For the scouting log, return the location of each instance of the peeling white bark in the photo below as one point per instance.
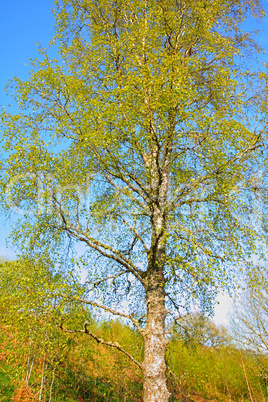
(154, 365)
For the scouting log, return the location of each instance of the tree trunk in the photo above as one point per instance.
(154, 365)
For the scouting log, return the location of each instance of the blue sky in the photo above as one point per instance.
(24, 24)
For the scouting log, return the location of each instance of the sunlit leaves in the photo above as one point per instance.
(143, 134)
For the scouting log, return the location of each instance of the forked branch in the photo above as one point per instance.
(101, 341)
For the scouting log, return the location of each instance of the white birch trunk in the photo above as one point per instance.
(154, 365)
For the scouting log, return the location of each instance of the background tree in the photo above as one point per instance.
(197, 329)
(139, 144)
(249, 319)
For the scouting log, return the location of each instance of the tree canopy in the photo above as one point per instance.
(143, 143)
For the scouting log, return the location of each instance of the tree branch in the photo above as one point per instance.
(137, 235)
(101, 341)
(116, 256)
(186, 190)
(109, 310)
(97, 245)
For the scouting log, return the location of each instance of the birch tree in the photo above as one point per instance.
(249, 318)
(142, 147)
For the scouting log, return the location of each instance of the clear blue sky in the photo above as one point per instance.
(23, 24)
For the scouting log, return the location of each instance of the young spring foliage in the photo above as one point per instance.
(142, 143)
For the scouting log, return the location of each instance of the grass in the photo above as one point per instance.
(6, 386)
